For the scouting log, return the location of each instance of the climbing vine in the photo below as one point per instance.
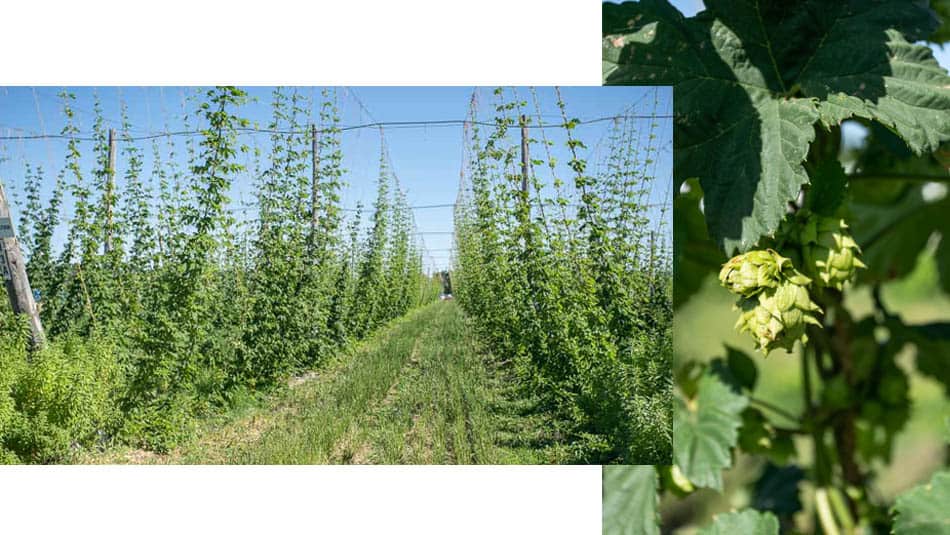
(163, 306)
(550, 280)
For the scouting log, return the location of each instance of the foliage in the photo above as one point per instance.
(576, 296)
(630, 493)
(61, 400)
(922, 509)
(163, 307)
(706, 428)
(765, 175)
(748, 521)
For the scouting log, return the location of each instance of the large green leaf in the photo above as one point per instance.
(887, 78)
(750, 78)
(744, 143)
(747, 522)
(923, 510)
(630, 500)
(705, 429)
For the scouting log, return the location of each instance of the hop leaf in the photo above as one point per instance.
(777, 317)
(830, 253)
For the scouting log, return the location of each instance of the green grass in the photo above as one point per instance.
(421, 391)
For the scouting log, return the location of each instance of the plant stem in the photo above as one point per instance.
(845, 432)
(841, 510)
(774, 408)
(825, 515)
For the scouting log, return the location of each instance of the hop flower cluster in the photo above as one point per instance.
(829, 252)
(750, 273)
(773, 300)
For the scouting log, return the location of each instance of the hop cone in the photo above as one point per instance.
(750, 273)
(776, 317)
(829, 252)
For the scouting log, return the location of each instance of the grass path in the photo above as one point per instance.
(422, 391)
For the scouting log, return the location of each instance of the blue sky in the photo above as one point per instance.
(427, 160)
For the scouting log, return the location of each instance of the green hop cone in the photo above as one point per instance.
(829, 252)
(776, 317)
(750, 273)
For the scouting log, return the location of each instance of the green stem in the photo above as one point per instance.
(777, 410)
(841, 510)
(825, 514)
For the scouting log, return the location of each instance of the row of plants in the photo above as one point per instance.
(799, 220)
(569, 281)
(162, 306)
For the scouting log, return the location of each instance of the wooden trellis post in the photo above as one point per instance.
(524, 157)
(315, 183)
(524, 210)
(110, 190)
(14, 274)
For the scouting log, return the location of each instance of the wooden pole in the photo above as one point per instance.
(524, 157)
(110, 189)
(524, 211)
(14, 274)
(652, 254)
(315, 181)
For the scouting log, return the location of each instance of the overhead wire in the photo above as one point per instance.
(375, 124)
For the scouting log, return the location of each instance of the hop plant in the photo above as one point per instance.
(829, 252)
(773, 298)
(777, 317)
(750, 273)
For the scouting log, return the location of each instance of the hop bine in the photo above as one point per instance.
(773, 301)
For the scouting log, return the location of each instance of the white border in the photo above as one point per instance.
(477, 500)
(362, 42)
